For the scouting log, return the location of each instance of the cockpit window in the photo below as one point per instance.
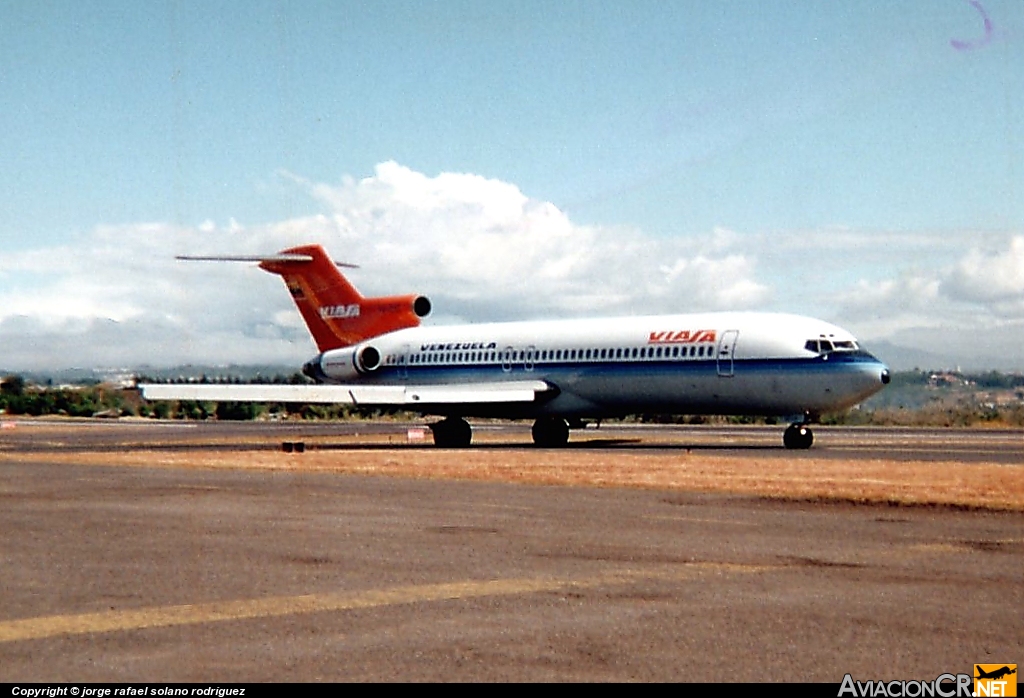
(824, 346)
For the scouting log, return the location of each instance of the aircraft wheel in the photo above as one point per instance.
(798, 436)
(550, 432)
(453, 432)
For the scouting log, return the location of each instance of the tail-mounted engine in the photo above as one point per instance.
(367, 359)
(344, 364)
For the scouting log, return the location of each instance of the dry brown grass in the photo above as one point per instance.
(944, 483)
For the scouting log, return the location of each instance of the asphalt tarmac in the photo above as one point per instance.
(869, 443)
(156, 574)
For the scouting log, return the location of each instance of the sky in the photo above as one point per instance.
(862, 163)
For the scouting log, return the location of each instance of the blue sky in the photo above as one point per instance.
(862, 162)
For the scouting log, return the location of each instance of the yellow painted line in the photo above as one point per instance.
(935, 548)
(217, 611)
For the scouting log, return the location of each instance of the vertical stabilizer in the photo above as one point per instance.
(336, 314)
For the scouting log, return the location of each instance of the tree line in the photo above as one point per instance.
(939, 407)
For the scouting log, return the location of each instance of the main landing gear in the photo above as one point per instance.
(452, 432)
(550, 432)
(798, 436)
(455, 432)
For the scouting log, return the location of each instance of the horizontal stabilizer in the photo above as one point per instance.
(279, 257)
(394, 395)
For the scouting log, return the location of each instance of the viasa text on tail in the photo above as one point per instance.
(561, 374)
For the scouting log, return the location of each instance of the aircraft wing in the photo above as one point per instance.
(396, 395)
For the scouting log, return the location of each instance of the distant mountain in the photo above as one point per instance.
(79, 376)
(900, 358)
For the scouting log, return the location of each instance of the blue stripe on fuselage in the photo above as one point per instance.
(416, 374)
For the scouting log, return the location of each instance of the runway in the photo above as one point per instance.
(241, 574)
(869, 443)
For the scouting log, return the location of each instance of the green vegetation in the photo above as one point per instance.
(943, 398)
(19, 397)
(914, 398)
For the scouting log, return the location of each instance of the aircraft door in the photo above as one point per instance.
(531, 353)
(726, 350)
(507, 355)
(403, 362)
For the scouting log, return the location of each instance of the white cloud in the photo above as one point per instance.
(483, 250)
(979, 285)
(970, 311)
(479, 243)
(991, 277)
(480, 248)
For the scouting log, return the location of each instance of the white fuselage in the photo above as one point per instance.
(711, 363)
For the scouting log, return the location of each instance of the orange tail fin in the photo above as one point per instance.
(335, 312)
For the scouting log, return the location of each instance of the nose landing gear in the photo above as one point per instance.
(798, 436)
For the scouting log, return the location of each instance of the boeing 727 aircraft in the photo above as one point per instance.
(562, 373)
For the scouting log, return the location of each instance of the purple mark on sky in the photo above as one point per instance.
(976, 43)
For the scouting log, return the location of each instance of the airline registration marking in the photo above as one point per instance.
(681, 337)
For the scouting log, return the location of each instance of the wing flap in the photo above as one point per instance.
(397, 395)
(519, 391)
(213, 392)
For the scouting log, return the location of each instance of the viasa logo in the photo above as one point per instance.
(334, 312)
(682, 337)
(995, 680)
